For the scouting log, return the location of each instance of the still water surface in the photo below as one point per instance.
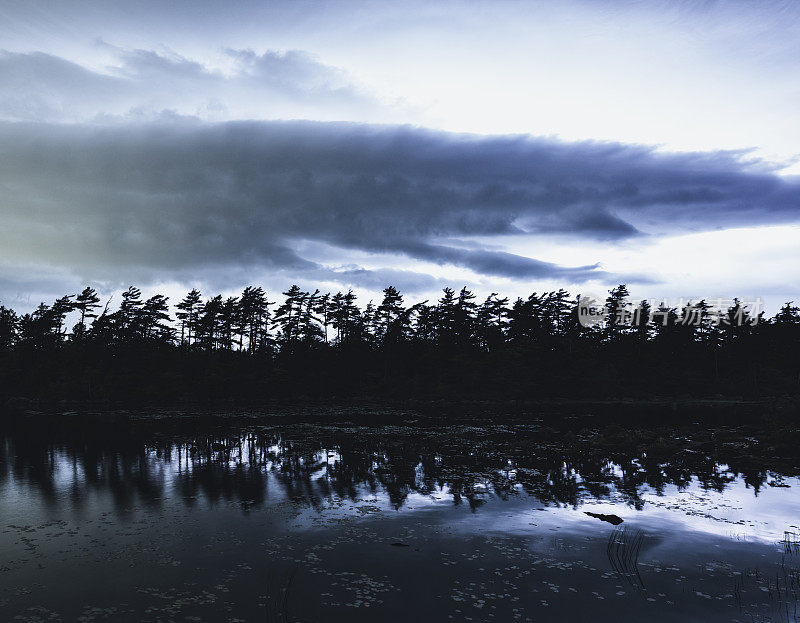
(253, 521)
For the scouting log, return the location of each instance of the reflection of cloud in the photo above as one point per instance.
(687, 514)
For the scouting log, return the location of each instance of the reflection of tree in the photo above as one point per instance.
(309, 465)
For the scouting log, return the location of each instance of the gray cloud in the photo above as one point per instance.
(167, 198)
(142, 83)
(40, 86)
(375, 280)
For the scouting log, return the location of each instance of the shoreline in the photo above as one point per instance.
(378, 410)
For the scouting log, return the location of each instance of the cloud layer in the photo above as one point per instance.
(164, 198)
(142, 83)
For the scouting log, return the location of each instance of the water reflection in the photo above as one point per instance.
(317, 462)
(161, 520)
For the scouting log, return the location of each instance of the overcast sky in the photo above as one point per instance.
(508, 146)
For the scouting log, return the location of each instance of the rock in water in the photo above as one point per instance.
(612, 519)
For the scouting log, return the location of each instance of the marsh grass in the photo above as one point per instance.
(277, 602)
(791, 543)
(623, 548)
(786, 589)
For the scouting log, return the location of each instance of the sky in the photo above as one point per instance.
(508, 146)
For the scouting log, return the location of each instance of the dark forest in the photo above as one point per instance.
(308, 345)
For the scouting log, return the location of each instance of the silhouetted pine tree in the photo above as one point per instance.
(389, 310)
(289, 315)
(86, 302)
(9, 327)
(188, 310)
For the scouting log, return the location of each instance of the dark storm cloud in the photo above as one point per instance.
(170, 197)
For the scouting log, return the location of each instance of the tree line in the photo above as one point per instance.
(456, 345)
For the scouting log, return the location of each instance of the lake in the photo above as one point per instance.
(140, 518)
